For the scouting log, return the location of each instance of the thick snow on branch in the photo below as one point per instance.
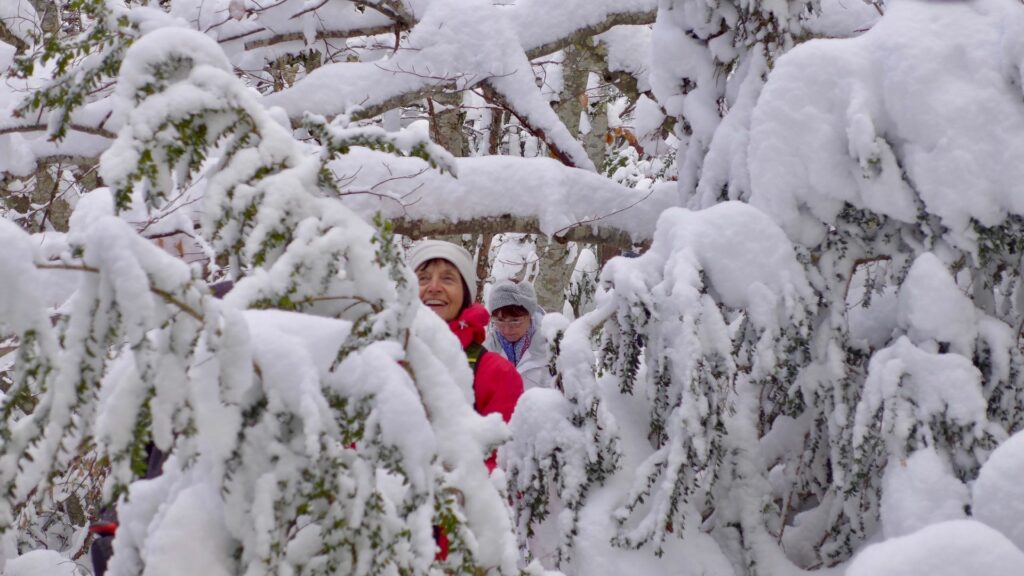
(544, 27)
(559, 199)
(456, 44)
(234, 22)
(922, 112)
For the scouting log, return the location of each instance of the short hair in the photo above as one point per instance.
(514, 310)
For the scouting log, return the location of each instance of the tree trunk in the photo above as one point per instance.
(554, 272)
(446, 123)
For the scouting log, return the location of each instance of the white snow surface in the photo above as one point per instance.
(999, 493)
(933, 90)
(919, 491)
(559, 197)
(951, 548)
(915, 386)
(933, 308)
(539, 22)
(41, 563)
(745, 255)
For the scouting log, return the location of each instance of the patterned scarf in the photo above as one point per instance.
(515, 351)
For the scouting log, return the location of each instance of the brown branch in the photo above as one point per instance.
(240, 36)
(393, 9)
(857, 264)
(313, 8)
(500, 100)
(301, 36)
(399, 100)
(167, 296)
(95, 131)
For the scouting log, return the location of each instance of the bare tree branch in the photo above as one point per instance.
(393, 9)
(95, 131)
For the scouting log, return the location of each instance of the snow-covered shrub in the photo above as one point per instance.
(708, 343)
(787, 424)
(564, 443)
(317, 420)
(880, 180)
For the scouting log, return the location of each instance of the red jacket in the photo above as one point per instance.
(497, 385)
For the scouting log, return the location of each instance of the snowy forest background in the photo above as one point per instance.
(808, 360)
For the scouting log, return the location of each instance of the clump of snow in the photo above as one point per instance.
(16, 157)
(951, 548)
(871, 325)
(932, 307)
(629, 50)
(841, 18)
(999, 493)
(538, 22)
(921, 108)
(42, 563)
(919, 491)
(649, 117)
(189, 535)
(745, 255)
(20, 305)
(152, 52)
(559, 198)
(912, 387)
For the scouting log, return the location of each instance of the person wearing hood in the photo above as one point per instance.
(447, 283)
(516, 315)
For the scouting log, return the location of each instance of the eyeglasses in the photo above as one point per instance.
(510, 322)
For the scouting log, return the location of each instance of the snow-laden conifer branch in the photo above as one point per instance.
(323, 440)
(82, 65)
(167, 296)
(566, 444)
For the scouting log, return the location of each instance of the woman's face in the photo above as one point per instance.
(512, 322)
(441, 288)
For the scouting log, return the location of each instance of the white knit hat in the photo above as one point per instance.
(428, 250)
(508, 293)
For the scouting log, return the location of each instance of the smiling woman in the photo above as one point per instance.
(442, 288)
(447, 281)
(446, 275)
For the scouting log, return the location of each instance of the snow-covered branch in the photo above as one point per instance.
(628, 16)
(538, 195)
(508, 223)
(320, 36)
